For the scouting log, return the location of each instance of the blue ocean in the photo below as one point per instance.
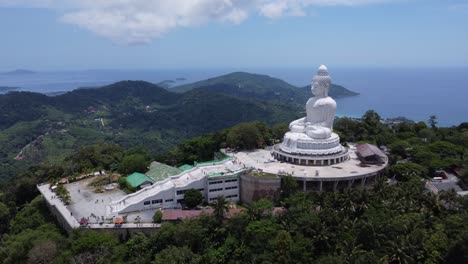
(415, 93)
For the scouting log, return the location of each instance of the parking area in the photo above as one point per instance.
(85, 202)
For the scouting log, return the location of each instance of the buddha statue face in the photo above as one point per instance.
(320, 87)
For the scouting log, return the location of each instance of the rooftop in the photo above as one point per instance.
(136, 179)
(160, 171)
(366, 150)
(446, 186)
(185, 167)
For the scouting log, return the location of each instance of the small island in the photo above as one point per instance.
(6, 89)
(19, 72)
(166, 83)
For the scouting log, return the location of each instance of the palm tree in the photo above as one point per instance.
(433, 203)
(220, 206)
(351, 250)
(449, 200)
(398, 251)
(251, 212)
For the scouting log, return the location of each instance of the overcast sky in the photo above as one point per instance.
(159, 34)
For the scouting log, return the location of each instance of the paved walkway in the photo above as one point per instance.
(85, 202)
(52, 199)
(262, 159)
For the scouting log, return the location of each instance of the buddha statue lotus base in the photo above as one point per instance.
(301, 144)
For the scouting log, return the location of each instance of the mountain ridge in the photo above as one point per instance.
(263, 87)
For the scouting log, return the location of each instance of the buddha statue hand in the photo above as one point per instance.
(318, 132)
(297, 126)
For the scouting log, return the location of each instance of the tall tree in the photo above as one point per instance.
(221, 207)
(134, 163)
(289, 186)
(433, 121)
(176, 255)
(407, 171)
(192, 198)
(372, 122)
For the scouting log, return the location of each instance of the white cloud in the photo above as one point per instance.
(141, 21)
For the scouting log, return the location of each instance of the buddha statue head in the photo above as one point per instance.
(321, 82)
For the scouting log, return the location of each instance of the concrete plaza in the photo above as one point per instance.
(261, 159)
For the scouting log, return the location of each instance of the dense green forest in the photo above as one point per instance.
(35, 128)
(390, 223)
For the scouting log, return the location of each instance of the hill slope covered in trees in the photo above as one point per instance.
(261, 87)
(37, 128)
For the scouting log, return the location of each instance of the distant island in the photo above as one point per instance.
(170, 83)
(5, 89)
(166, 83)
(60, 92)
(19, 72)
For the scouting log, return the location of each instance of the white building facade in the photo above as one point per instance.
(227, 186)
(212, 180)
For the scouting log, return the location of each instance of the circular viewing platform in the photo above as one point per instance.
(310, 160)
(350, 173)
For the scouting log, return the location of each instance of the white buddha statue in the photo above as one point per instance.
(320, 109)
(313, 135)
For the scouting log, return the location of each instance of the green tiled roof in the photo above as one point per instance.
(185, 167)
(136, 179)
(159, 171)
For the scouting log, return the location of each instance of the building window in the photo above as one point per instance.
(201, 190)
(180, 201)
(215, 182)
(169, 200)
(231, 180)
(146, 203)
(156, 201)
(180, 192)
(231, 188)
(216, 190)
(232, 196)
